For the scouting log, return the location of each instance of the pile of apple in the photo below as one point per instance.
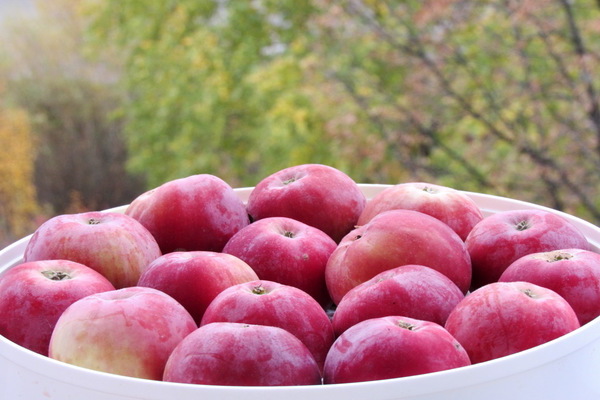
(305, 282)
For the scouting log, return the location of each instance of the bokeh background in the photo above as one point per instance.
(101, 100)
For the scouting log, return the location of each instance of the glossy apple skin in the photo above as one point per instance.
(572, 273)
(318, 195)
(195, 278)
(504, 318)
(450, 206)
(115, 245)
(501, 238)
(233, 354)
(413, 291)
(270, 303)
(392, 347)
(33, 296)
(392, 239)
(130, 332)
(287, 251)
(198, 212)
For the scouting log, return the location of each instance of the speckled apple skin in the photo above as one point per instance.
(114, 244)
(31, 301)
(498, 240)
(195, 278)
(501, 318)
(413, 291)
(198, 212)
(572, 273)
(233, 354)
(130, 332)
(286, 251)
(318, 195)
(392, 239)
(279, 305)
(384, 348)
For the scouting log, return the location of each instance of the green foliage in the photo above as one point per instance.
(484, 96)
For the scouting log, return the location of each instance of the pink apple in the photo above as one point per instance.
(501, 238)
(195, 278)
(448, 205)
(130, 332)
(115, 245)
(287, 251)
(413, 291)
(318, 195)
(504, 318)
(233, 354)
(392, 239)
(572, 273)
(33, 295)
(392, 347)
(273, 304)
(198, 212)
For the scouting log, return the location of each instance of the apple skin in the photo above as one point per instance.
(198, 212)
(318, 195)
(33, 296)
(449, 205)
(130, 331)
(501, 238)
(392, 239)
(413, 291)
(270, 303)
(287, 251)
(392, 347)
(234, 354)
(572, 273)
(114, 244)
(195, 278)
(504, 318)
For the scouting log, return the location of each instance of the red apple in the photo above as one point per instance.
(195, 278)
(572, 273)
(448, 205)
(198, 212)
(392, 239)
(115, 245)
(287, 251)
(232, 354)
(504, 318)
(130, 332)
(501, 238)
(413, 291)
(33, 295)
(318, 195)
(392, 347)
(273, 304)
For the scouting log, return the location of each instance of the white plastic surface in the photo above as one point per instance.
(566, 368)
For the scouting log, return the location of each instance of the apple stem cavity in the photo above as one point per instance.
(259, 290)
(561, 257)
(522, 225)
(290, 180)
(56, 275)
(407, 325)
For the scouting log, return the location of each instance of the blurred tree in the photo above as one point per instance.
(18, 205)
(497, 96)
(71, 99)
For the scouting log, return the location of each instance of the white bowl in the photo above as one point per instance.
(566, 368)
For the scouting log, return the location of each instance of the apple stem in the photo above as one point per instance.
(406, 325)
(56, 275)
(259, 290)
(522, 225)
